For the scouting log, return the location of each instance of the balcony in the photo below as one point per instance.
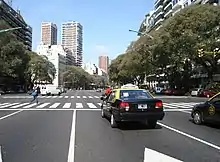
(157, 2)
(168, 14)
(167, 1)
(159, 9)
(168, 5)
(158, 15)
(159, 21)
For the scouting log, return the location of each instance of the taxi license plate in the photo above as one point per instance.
(142, 106)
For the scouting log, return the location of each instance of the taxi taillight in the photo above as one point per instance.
(124, 105)
(159, 104)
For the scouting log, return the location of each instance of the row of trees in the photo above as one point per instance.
(76, 77)
(186, 44)
(19, 66)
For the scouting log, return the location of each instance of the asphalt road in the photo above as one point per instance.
(67, 129)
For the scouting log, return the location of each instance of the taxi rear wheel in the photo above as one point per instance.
(113, 122)
(197, 118)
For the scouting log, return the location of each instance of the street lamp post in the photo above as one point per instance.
(9, 29)
(141, 33)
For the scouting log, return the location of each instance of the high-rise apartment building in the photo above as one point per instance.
(164, 9)
(14, 19)
(72, 38)
(104, 63)
(49, 33)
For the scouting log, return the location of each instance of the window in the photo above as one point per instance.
(135, 94)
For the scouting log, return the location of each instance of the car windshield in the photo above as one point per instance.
(134, 94)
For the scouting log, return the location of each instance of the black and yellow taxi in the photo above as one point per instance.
(208, 111)
(129, 103)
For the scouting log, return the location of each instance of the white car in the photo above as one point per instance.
(195, 91)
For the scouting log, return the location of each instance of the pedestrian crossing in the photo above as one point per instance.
(89, 105)
(50, 97)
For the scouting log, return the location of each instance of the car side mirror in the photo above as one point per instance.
(101, 98)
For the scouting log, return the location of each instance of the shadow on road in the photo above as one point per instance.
(211, 125)
(136, 126)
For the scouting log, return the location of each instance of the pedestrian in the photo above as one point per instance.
(38, 90)
(35, 95)
(108, 92)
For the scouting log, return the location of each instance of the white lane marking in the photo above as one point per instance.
(67, 105)
(181, 105)
(100, 104)
(168, 106)
(0, 154)
(60, 96)
(189, 136)
(78, 96)
(79, 105)
(96, 96)
(66, 96)
(72, 139)
(20, 105)
(52, 109)
(43, 105)
(8, 105)
(55, 105)
(91, 105)
(6, 116)
(29, 106)
(155, 156)
(54, 96)
(90, 97)
(84, 97)
(2, 104)
(72, 96)
(48, 96)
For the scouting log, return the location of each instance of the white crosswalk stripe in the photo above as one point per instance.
(42, 105)
(51, 97)
(91, 105)
(64, 105)
(55, 105)
(67, 105)
(79, 105)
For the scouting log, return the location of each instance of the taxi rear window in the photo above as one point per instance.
(134, 94)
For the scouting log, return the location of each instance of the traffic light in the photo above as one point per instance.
(201, 52)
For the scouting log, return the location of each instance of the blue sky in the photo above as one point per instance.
(106, 22)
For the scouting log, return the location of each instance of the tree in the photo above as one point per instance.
(76, 77)
(196, 28)
(40, 69)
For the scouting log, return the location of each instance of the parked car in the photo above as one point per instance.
(206, 93)
(196, 91)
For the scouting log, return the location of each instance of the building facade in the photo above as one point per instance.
(104, 63)
(164, 9)
(58, 56)
(49, 33)
(14, 19)
(72, 39)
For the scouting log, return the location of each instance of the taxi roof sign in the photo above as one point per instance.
(128, 86)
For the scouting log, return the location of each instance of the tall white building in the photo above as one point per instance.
(72, 38)
(58, 56)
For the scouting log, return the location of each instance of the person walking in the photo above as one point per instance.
(35, 96)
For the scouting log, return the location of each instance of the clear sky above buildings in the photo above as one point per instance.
(106, 22)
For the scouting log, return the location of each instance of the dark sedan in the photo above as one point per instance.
(208, 111)
(132, 105)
